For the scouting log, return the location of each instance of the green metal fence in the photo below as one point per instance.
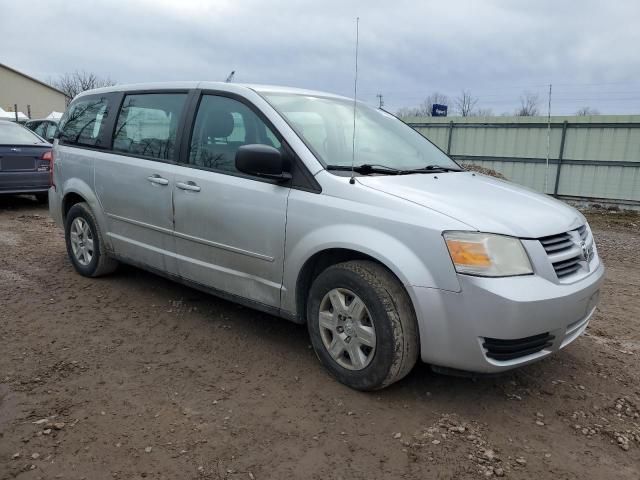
(595, 158)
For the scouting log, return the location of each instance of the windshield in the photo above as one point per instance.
(14, 134)
(326, 126)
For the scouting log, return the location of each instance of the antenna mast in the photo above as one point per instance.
(230, 77)
(355, 96)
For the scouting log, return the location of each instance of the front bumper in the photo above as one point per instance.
(454, 326)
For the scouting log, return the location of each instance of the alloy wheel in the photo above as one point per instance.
(346, 329)
(81, 241)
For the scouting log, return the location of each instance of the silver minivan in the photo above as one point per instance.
(382, 245)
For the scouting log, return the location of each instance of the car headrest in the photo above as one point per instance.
(219, 124)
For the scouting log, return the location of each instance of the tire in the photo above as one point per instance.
(387, 311)
(94, 262)
(42, 197)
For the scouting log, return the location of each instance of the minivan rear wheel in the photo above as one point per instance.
(362, 325)
(84, 243)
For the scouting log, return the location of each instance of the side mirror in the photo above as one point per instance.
(262, 161)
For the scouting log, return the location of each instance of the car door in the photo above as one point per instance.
(134, 181)
(229, 227)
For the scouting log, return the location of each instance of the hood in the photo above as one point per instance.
(484, 203)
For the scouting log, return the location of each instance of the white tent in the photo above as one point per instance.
(12, 116)
(54, 115)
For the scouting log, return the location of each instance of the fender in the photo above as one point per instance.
(404, 262)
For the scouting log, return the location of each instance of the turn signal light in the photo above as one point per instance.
(468, 253)
(487, 254)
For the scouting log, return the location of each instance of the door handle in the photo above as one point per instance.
(158, 180)
(189, 186)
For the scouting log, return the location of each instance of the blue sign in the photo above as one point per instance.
(438, 110)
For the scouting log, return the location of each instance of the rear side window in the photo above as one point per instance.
(222, 126)
(83, 122)
(148, 123)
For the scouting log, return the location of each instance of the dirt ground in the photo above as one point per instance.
(133, 376)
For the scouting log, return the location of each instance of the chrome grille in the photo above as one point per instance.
(557, 243)
(565, 252)
(567, 267)
(582, 231)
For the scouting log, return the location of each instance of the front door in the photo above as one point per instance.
(135, 183)
(229, 227)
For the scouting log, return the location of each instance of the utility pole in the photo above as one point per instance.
(380, 100)
(546, 172)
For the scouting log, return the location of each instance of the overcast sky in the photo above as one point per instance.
(496, 49)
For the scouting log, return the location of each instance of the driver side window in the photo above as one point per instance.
(222, 126)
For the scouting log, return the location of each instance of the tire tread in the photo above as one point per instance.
(105, 263)
(400, 318)
(399, 311)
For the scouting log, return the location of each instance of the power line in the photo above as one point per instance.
(521, 86)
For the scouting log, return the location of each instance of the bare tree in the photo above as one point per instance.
(425, 107)
(482, 112)
(465, 103)
(71, 84)
(585, 111)
(436, 98)
(528, 105)
(406, 112)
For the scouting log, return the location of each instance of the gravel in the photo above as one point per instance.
(214, 388)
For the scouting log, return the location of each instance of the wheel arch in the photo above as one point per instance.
(342, 242)
(68, 201)
(321, 260)
(76, 191)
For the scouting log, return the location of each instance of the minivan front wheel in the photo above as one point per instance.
(84, 243)
(362, 325)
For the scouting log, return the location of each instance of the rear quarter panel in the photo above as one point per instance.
(74, 173)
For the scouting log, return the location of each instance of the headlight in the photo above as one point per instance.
(487, 254)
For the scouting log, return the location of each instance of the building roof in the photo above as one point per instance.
(2, 65)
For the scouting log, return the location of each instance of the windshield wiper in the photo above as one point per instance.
(367, 168)
(432, 168)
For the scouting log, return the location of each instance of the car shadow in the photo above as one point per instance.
(290, 340)
(19, 202)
